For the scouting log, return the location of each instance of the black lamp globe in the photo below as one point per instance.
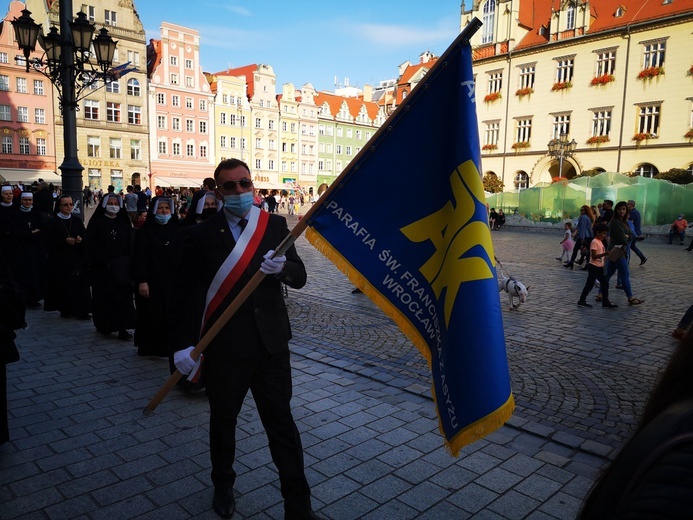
(104, 48)
(26, 32)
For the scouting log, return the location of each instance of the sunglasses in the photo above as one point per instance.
(231, 185)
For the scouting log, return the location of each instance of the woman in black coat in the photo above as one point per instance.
(109, 245)
(67, 288)
(148, 270)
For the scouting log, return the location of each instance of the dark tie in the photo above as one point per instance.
(243, 223)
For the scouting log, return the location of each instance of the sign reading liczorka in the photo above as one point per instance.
(408, 225)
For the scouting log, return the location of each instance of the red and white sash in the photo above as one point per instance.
(236, 263)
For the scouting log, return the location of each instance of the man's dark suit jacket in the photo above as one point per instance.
(262, 317)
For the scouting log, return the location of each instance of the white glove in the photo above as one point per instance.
(184, 363)
(273, 265)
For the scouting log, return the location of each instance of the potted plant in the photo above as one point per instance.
(602, 80)
(520, 145)
(689, 135)
(489, 147)
(522, 92)
(650, 72)
(598, 139)
(561, 85)
(493, 96)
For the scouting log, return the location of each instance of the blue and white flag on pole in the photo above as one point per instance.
(408, 225)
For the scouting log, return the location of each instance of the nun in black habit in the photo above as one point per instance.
(204, 204)
(109, 246)
(148, 270)
(67, 287)
(25, 238)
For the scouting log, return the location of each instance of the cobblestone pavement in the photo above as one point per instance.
(82, 449)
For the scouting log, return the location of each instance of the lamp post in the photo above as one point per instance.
(67, 63)
(560, 149)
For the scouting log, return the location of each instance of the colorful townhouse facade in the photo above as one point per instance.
(27, 139)
(260, 145)
(299, 135)
(181, 110)
(231, 116)
(345, 124)
(112, 122)
(615, 76)
(168, 123)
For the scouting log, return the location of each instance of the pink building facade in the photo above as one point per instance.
(181, 107)
(27, 138)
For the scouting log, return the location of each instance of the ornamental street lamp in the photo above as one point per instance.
(67, 63)
(560, 149)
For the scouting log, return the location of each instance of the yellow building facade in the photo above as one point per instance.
(617, 79)
(112, 121)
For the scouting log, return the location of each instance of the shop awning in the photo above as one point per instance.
(176, 182)
(29, 176)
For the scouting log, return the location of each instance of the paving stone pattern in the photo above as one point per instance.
(81, 447)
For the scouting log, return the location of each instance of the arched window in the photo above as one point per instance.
(133, 87)
(646, 170)
(521, 181)
(570, 17)
(488, 18)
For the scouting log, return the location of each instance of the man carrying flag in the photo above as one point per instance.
(251, 351)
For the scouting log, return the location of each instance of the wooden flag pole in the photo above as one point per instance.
(300, 227)
(226, 315)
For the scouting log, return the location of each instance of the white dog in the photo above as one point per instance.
(514, 289)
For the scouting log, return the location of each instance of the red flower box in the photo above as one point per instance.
(521, 92)
(561, 85)
(493, 96)
(598, 139)
(520, 144)
(641, 137)
(689, 134)
(602, 80)
(651, 72)
(489, 147)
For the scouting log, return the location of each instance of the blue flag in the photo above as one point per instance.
(408, 225)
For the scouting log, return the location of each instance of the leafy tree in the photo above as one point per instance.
(676, 175)
(492, 183)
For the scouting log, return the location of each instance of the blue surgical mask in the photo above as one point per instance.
(239, 204)
(162, 219)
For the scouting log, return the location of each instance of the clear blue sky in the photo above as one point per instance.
(311, 40)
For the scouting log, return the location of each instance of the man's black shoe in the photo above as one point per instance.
(583, 303)
(124, 335)
(644, 259)
(223, 503)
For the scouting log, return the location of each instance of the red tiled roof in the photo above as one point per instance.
(248, 71)
(354, 104)
(409, 72)
(535, 14)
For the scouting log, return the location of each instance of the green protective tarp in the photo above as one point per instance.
(658, 201)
